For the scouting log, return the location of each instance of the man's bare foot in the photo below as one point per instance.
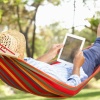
(98, 31)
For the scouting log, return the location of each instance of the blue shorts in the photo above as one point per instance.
(92, 57)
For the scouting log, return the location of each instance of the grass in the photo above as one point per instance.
(88, 94)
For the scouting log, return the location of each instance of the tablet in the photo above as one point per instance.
(72, 43)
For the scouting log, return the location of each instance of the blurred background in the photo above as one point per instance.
(45, 22)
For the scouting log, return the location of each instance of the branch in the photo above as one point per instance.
(26, 31)
(94, 30)
(31, 20)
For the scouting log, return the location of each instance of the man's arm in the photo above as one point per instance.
(78, 62)
(51, 54)
(74, 79)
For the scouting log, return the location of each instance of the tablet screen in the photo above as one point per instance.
(71, 46)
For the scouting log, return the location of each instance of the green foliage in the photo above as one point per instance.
(55, 2)
(12, 1)
(89, 94)
(1, 82)
(88, 34)
(58, 32)
(94, 22)
(18, 1)
(38, 1)
(4, 1)
(14, 15)
(98, 14)
(40, 47)
(52, 34)
(1, 13)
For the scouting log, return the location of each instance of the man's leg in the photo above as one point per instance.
(92, 55)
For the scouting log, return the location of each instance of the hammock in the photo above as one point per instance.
(19, 74)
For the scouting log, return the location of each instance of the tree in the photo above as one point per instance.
(48, 35)
(94, 22)
(14, 14)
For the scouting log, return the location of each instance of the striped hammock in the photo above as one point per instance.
(19, 74)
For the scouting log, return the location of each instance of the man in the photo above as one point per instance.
(71, 75)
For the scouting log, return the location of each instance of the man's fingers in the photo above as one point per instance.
(59, 46)
(79, 53)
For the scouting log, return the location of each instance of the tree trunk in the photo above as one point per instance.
(34, 33)
(73, 27)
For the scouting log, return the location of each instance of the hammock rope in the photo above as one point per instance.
(21, 75)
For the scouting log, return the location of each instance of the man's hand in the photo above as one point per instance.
(78, 62)
(51, 53)
(54, 50)
(78, 59)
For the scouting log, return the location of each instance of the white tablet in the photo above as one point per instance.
(72, 43)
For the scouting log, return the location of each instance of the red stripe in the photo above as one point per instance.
(10, 84)
(6, 79)
(51, 95)
(31, 81)
(7, 49)
(15, 75)
(2, 50)
(57, 86)
(68, 91)
(26, 78)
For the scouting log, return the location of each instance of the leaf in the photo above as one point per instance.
(5, 1)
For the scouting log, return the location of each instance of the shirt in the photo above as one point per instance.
(60, 71)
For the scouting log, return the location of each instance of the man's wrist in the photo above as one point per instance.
(76, 70)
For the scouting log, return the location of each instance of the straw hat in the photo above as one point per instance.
(15, 41)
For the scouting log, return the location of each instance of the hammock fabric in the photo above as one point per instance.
(18, 74)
